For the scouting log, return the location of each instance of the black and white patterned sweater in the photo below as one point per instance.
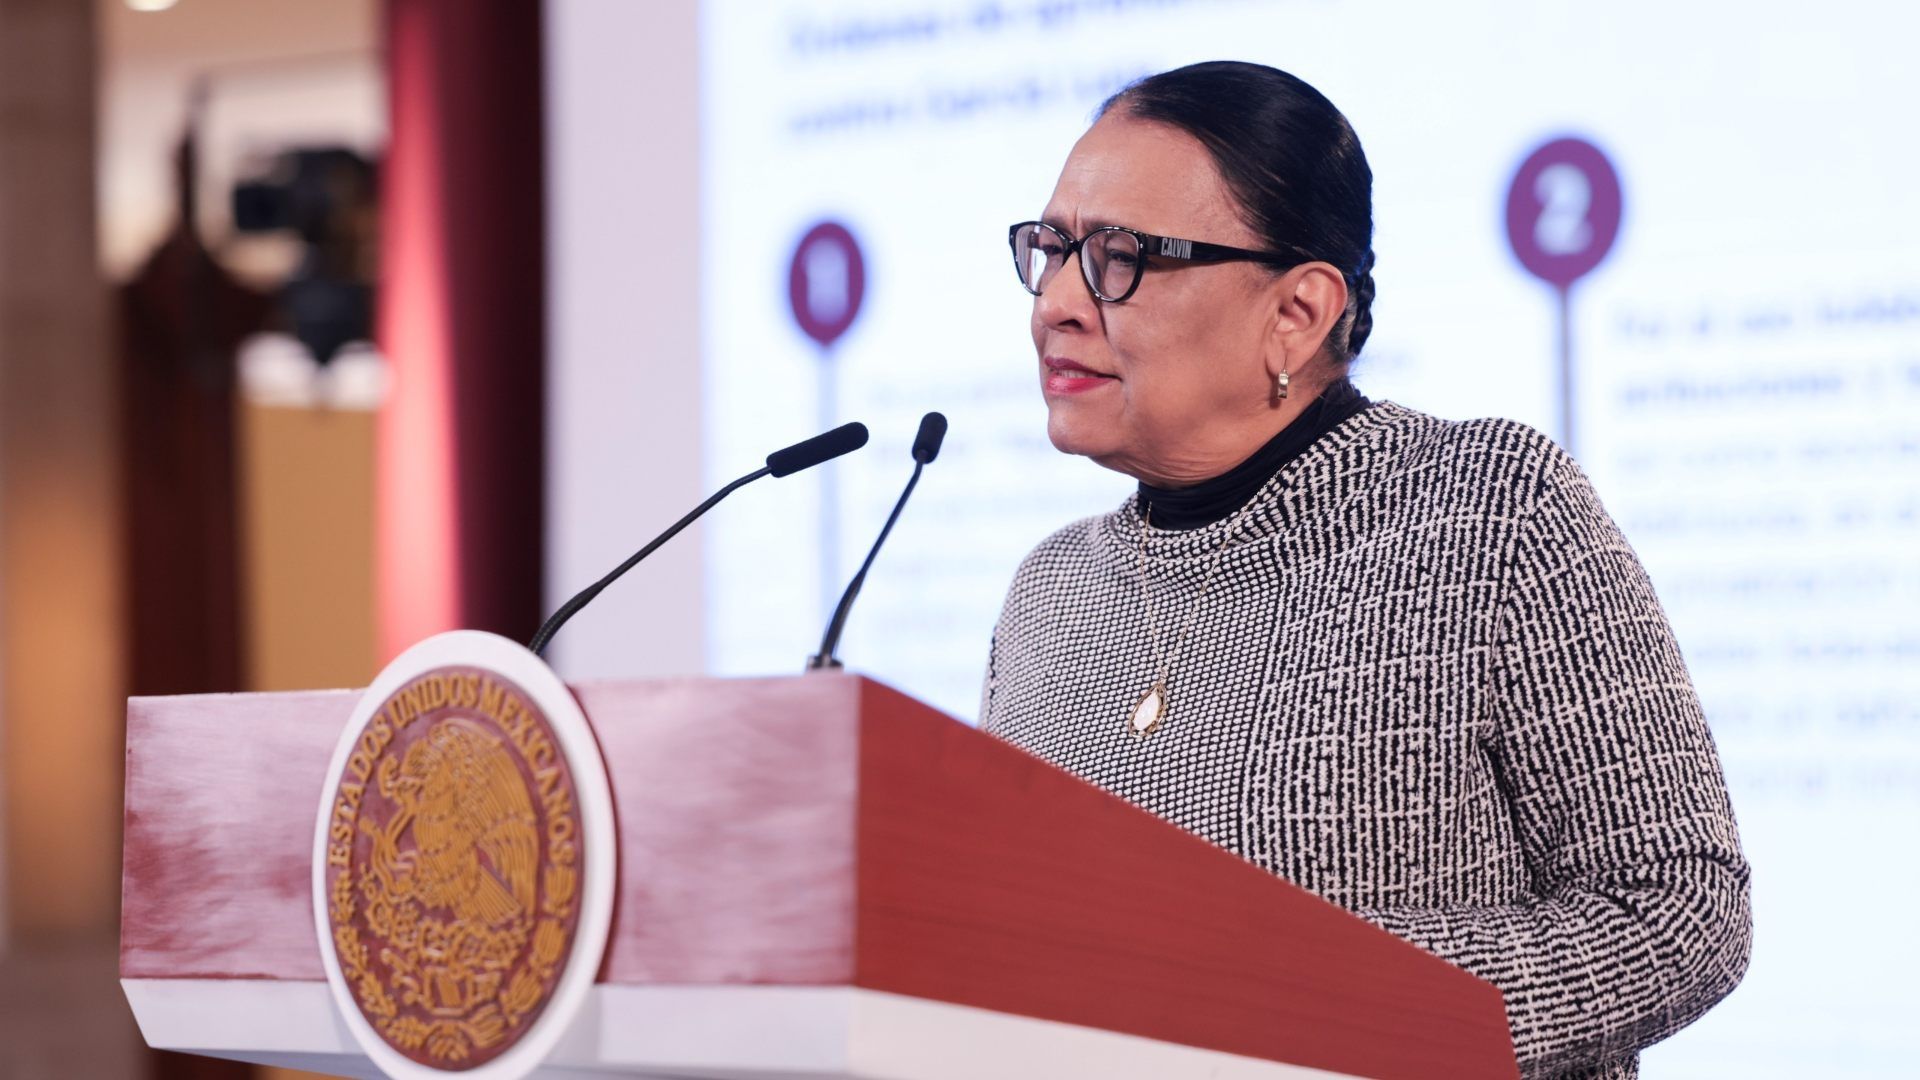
(1431, 683)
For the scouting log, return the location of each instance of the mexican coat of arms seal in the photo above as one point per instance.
(452, 862)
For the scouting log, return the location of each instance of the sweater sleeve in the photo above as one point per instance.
(1641, 920)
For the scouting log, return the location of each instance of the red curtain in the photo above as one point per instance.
(462, 322)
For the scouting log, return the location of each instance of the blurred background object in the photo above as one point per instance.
(198, 428)
(189, 401)
(61, 579)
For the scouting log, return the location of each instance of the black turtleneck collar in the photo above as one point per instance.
(1213, 500)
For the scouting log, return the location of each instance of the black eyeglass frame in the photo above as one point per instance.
(1151, 247)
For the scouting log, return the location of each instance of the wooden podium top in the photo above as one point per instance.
(824, 831)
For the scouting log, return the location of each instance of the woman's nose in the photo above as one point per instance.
(1066, 299)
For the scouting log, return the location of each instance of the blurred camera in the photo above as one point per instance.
(328, 197)
(314, 192)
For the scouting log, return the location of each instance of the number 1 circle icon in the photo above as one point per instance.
(1563, 215)
(826, 282)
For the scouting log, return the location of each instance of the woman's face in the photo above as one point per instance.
(1174, 384)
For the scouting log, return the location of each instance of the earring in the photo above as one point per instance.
(1280, 382)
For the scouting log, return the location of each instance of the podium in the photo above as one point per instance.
(817, 877)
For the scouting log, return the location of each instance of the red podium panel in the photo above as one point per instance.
(818, 876)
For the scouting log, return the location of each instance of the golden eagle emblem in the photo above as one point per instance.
(454, 899)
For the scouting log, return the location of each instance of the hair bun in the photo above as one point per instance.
(1362, 307)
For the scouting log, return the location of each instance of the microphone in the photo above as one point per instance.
(785, 462)
(823, 447)
(926, 442)
(926, 447)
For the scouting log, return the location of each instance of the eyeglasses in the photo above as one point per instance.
(1112, 257)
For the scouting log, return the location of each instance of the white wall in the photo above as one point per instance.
(623, 385)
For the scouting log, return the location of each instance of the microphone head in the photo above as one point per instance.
(926, 445)
(823, 447)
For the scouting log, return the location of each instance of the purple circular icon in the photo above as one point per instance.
(826, 282)
(1563, 211)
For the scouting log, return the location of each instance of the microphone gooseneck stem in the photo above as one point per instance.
(831, 639)
(585, 596)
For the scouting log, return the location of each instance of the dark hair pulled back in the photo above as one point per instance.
(1290, 159)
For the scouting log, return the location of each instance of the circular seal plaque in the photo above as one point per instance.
(463, 861)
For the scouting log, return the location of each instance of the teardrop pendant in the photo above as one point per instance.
(1149, 711)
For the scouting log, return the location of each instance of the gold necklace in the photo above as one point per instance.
(1150, 711)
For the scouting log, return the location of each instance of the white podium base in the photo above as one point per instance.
(702, 1033)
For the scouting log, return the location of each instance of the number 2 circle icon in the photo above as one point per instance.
(1563, 211)
(1563, 215)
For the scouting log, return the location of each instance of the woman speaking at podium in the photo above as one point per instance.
(1407, 663)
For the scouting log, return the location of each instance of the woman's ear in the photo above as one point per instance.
(1308, 302)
